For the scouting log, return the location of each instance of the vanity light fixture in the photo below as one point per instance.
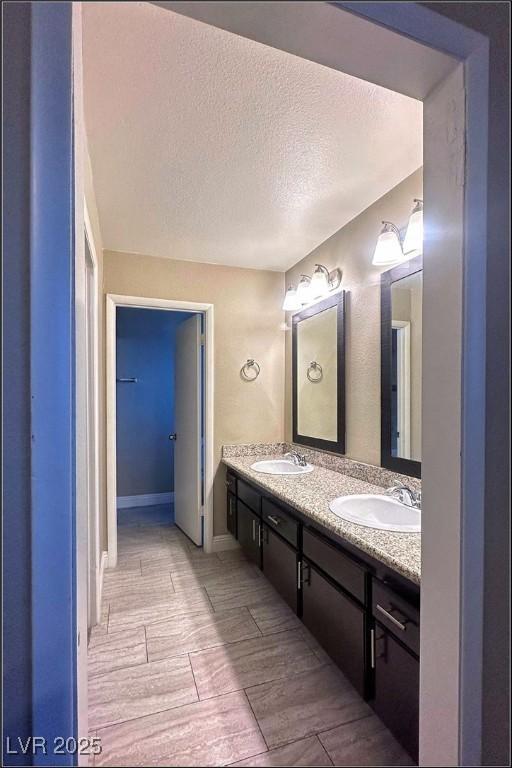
(413, 240)
(304, 289)
(389, 246)
(311, 288)
(324, 281)
(291, 301)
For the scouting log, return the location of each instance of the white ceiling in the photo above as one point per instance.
(210, 147)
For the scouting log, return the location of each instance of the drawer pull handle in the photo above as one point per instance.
(391, 618)
(274, 520)
(372, 648)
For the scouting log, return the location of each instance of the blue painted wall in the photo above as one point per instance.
(145, 347)
(52, 350)
(16, 508)
(39, 629)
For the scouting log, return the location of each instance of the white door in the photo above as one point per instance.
(187, 453)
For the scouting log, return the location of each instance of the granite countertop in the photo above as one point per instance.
(311, 493)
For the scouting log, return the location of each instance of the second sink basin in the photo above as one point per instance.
(280, 467)
(375, 511)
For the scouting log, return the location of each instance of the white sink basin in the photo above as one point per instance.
(382, 512)
(280, 467)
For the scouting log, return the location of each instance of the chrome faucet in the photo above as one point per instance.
(297, 458)
(405, 495)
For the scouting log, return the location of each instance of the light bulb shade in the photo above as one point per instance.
(388, 249)
(304, 289)
(414, 236)
(319, 282)
(291, 301)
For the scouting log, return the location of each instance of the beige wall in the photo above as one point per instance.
(351, 249)
(248, 322)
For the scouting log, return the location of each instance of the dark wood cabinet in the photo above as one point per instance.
(280, 521)
(231, 516)
(342, 568)
(397, 614)
(249, 495)
(280, 565)
(397, 678)
(231, 482)
(366, 616)
(249, 532)
(337, 622)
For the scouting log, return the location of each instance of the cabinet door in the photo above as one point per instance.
(337, 622)
(397, 674)
(231, 514)
(249, 532)
(280, 566)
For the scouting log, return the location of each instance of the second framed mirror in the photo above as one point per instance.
(401, 351)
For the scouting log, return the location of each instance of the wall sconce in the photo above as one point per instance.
(390, 249)
(304, 289)
(291, 301)
(310, 288)
(389, 246)
(413, 240)
(323, 281)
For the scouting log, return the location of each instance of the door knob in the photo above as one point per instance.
(173, 436)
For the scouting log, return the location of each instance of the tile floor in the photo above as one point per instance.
(198, 662)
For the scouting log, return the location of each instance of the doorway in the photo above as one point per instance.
(159, 417)
(159, 402)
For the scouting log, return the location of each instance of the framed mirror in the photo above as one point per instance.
(318, 374)
(401, 342)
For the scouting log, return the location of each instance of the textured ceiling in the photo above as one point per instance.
(210, 147)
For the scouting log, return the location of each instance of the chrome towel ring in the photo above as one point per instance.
(250, 370)
(317, 371)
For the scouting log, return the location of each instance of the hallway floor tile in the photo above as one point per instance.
(198, 662)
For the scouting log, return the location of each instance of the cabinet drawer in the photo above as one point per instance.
(280, 566)
(334, 563)
(397, 615)
(337, 622)
(280, 521)
(231, 515)
(249, 496)
(231, 482)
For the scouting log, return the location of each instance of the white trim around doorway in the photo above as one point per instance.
(112, 302)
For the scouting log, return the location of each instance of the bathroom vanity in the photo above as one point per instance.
(345, 557)
(355, 589)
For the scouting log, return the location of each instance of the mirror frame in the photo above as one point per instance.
(336, 300)
(388, 461)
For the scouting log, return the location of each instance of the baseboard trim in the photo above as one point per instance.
(144, 500)
(226, 541)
